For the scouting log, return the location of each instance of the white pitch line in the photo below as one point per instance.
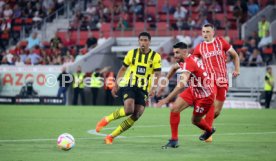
(147, 136)
(36, 140)
(223, 134)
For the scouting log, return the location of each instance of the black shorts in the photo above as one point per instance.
(140, 96)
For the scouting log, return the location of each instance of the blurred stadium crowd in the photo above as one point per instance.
(19, 15)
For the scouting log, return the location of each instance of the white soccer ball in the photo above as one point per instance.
(65, 141)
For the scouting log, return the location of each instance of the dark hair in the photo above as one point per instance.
(268, 68)
(180, 45)
(209, 25)
(144, 34)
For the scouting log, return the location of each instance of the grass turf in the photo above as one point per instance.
(29, 133)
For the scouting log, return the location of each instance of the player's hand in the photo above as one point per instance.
(160, 91)
(152, 92)
(236, 74)
(114, 91)
(162, 102)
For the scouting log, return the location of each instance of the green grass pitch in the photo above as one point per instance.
(29, 133)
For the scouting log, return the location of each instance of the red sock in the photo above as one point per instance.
(210, 116)
(174, 122)
(202, 124)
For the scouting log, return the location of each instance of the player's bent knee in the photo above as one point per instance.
(175, 108)
(135, 117)
(196, 120)
(129, 109)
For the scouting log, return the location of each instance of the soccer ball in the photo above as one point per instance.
(65, 141)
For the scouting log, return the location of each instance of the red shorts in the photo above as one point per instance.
(201, 105)
(220, 92)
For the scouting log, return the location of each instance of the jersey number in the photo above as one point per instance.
(200, 64)
(199, 109)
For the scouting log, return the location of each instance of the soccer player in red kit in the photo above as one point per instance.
(213, 54)
(199, 94)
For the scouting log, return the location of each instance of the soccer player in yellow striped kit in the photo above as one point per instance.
(136, 74)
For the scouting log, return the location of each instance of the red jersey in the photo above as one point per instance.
(214, 57)
(199, 81)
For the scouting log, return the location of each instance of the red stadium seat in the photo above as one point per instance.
(46, 44)
(163, 17)
(194, 16)
(5, 36)
(160, 4)
(62, 35)
(151, 10)
(106, 27)
(16, 28)
(18, 21)
(82, 42)
(230, 16)
(23, 43)
(74, 36)
(162, 26)
(233, 34)
(28, 21)
(238, 43)
(220, 17)
(268, 50)
(267, 54)
(139, 26)
(108, 3)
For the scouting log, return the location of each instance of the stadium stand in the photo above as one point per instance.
(98, 21)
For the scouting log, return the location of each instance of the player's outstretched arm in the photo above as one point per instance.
(157, 75)
(236, 61)
(171, 72)
(180, 85)
(120, 75)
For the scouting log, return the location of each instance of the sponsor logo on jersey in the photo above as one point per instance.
(212, 53)
(141, 70)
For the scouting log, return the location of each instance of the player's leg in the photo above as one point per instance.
(209, 118)
(220, 95)
(202, 107)
(200, 122)
(138, 110)
(175, 114)
(126, 110)
(126, 124)
(179, 105)
(220, 98)
(218, 107)
(211, 113)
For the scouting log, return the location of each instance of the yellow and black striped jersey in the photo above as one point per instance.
(141, 67)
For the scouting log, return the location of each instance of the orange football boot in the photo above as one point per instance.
(101, 124)
(108, 139)
(209, 140)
